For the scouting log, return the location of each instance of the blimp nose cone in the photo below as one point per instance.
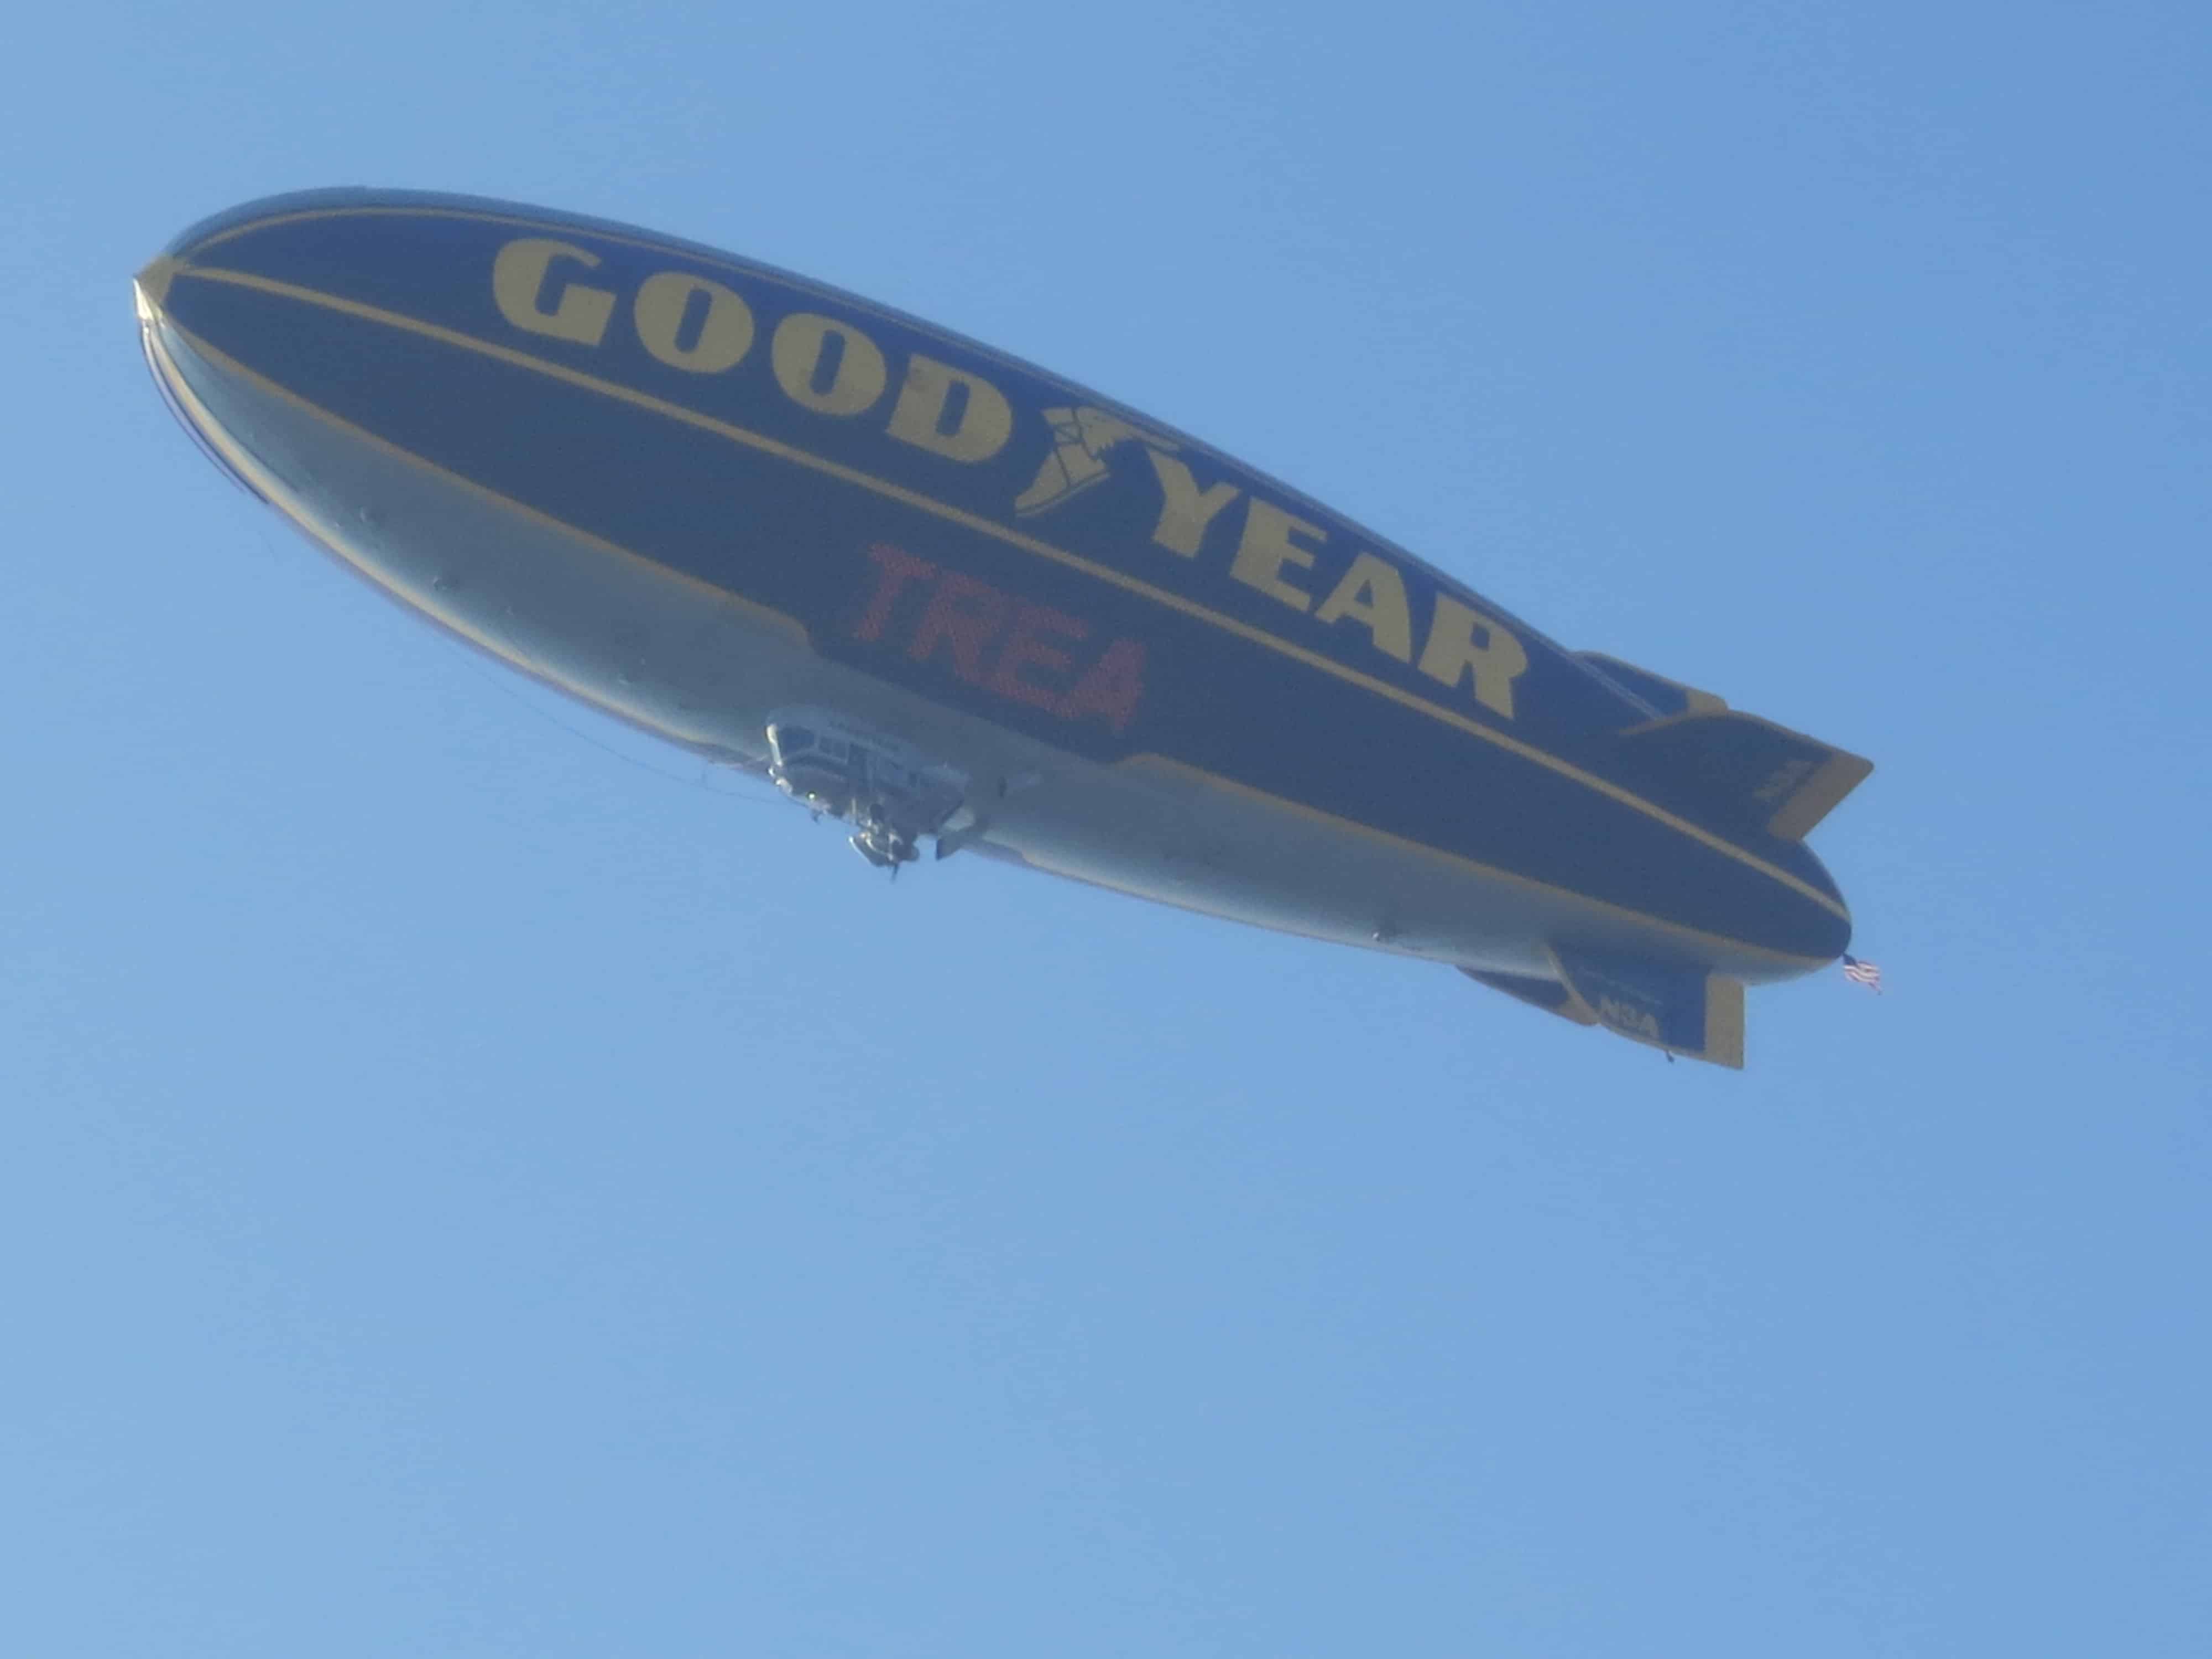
(285, 326)
(192, 388)
(150, 286)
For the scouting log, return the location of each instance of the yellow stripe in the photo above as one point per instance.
(1723, 1021)
(277, 491)
(1029, 543)
(1161, 765)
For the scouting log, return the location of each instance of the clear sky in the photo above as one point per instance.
(470, 1189)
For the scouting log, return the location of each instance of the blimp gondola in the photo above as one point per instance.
(957, 602)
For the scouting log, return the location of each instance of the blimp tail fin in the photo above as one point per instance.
(1679, 1007)
(1754, 773)
(1683, 1010)
(1549, 994)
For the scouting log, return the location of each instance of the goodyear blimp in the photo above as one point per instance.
(955, 601)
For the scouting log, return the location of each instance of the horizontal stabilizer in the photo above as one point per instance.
(1678, 1007)
(1741, 769)
(1549, 994)
(1666, 696)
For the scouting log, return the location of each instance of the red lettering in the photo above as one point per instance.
(1112, 689)
(963, 613)
(898, 567)
(963, 616)
(1027, 648)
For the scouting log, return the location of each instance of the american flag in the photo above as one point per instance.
(1862, 973)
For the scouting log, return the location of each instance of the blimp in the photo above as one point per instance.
(958, 604)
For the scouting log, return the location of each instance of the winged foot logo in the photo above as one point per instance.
(1082, 439)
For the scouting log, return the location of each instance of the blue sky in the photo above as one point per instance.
(473, 1188)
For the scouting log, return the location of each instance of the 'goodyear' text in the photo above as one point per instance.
(832, 367)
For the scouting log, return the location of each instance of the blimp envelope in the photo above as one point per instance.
(697, 490)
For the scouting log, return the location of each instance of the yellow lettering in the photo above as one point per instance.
(979, 430)
(1373, 594)
(1267, 547)
(518, 279)
(807, 348)
(1185, 510)
(725, 331)
(1454, 648)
